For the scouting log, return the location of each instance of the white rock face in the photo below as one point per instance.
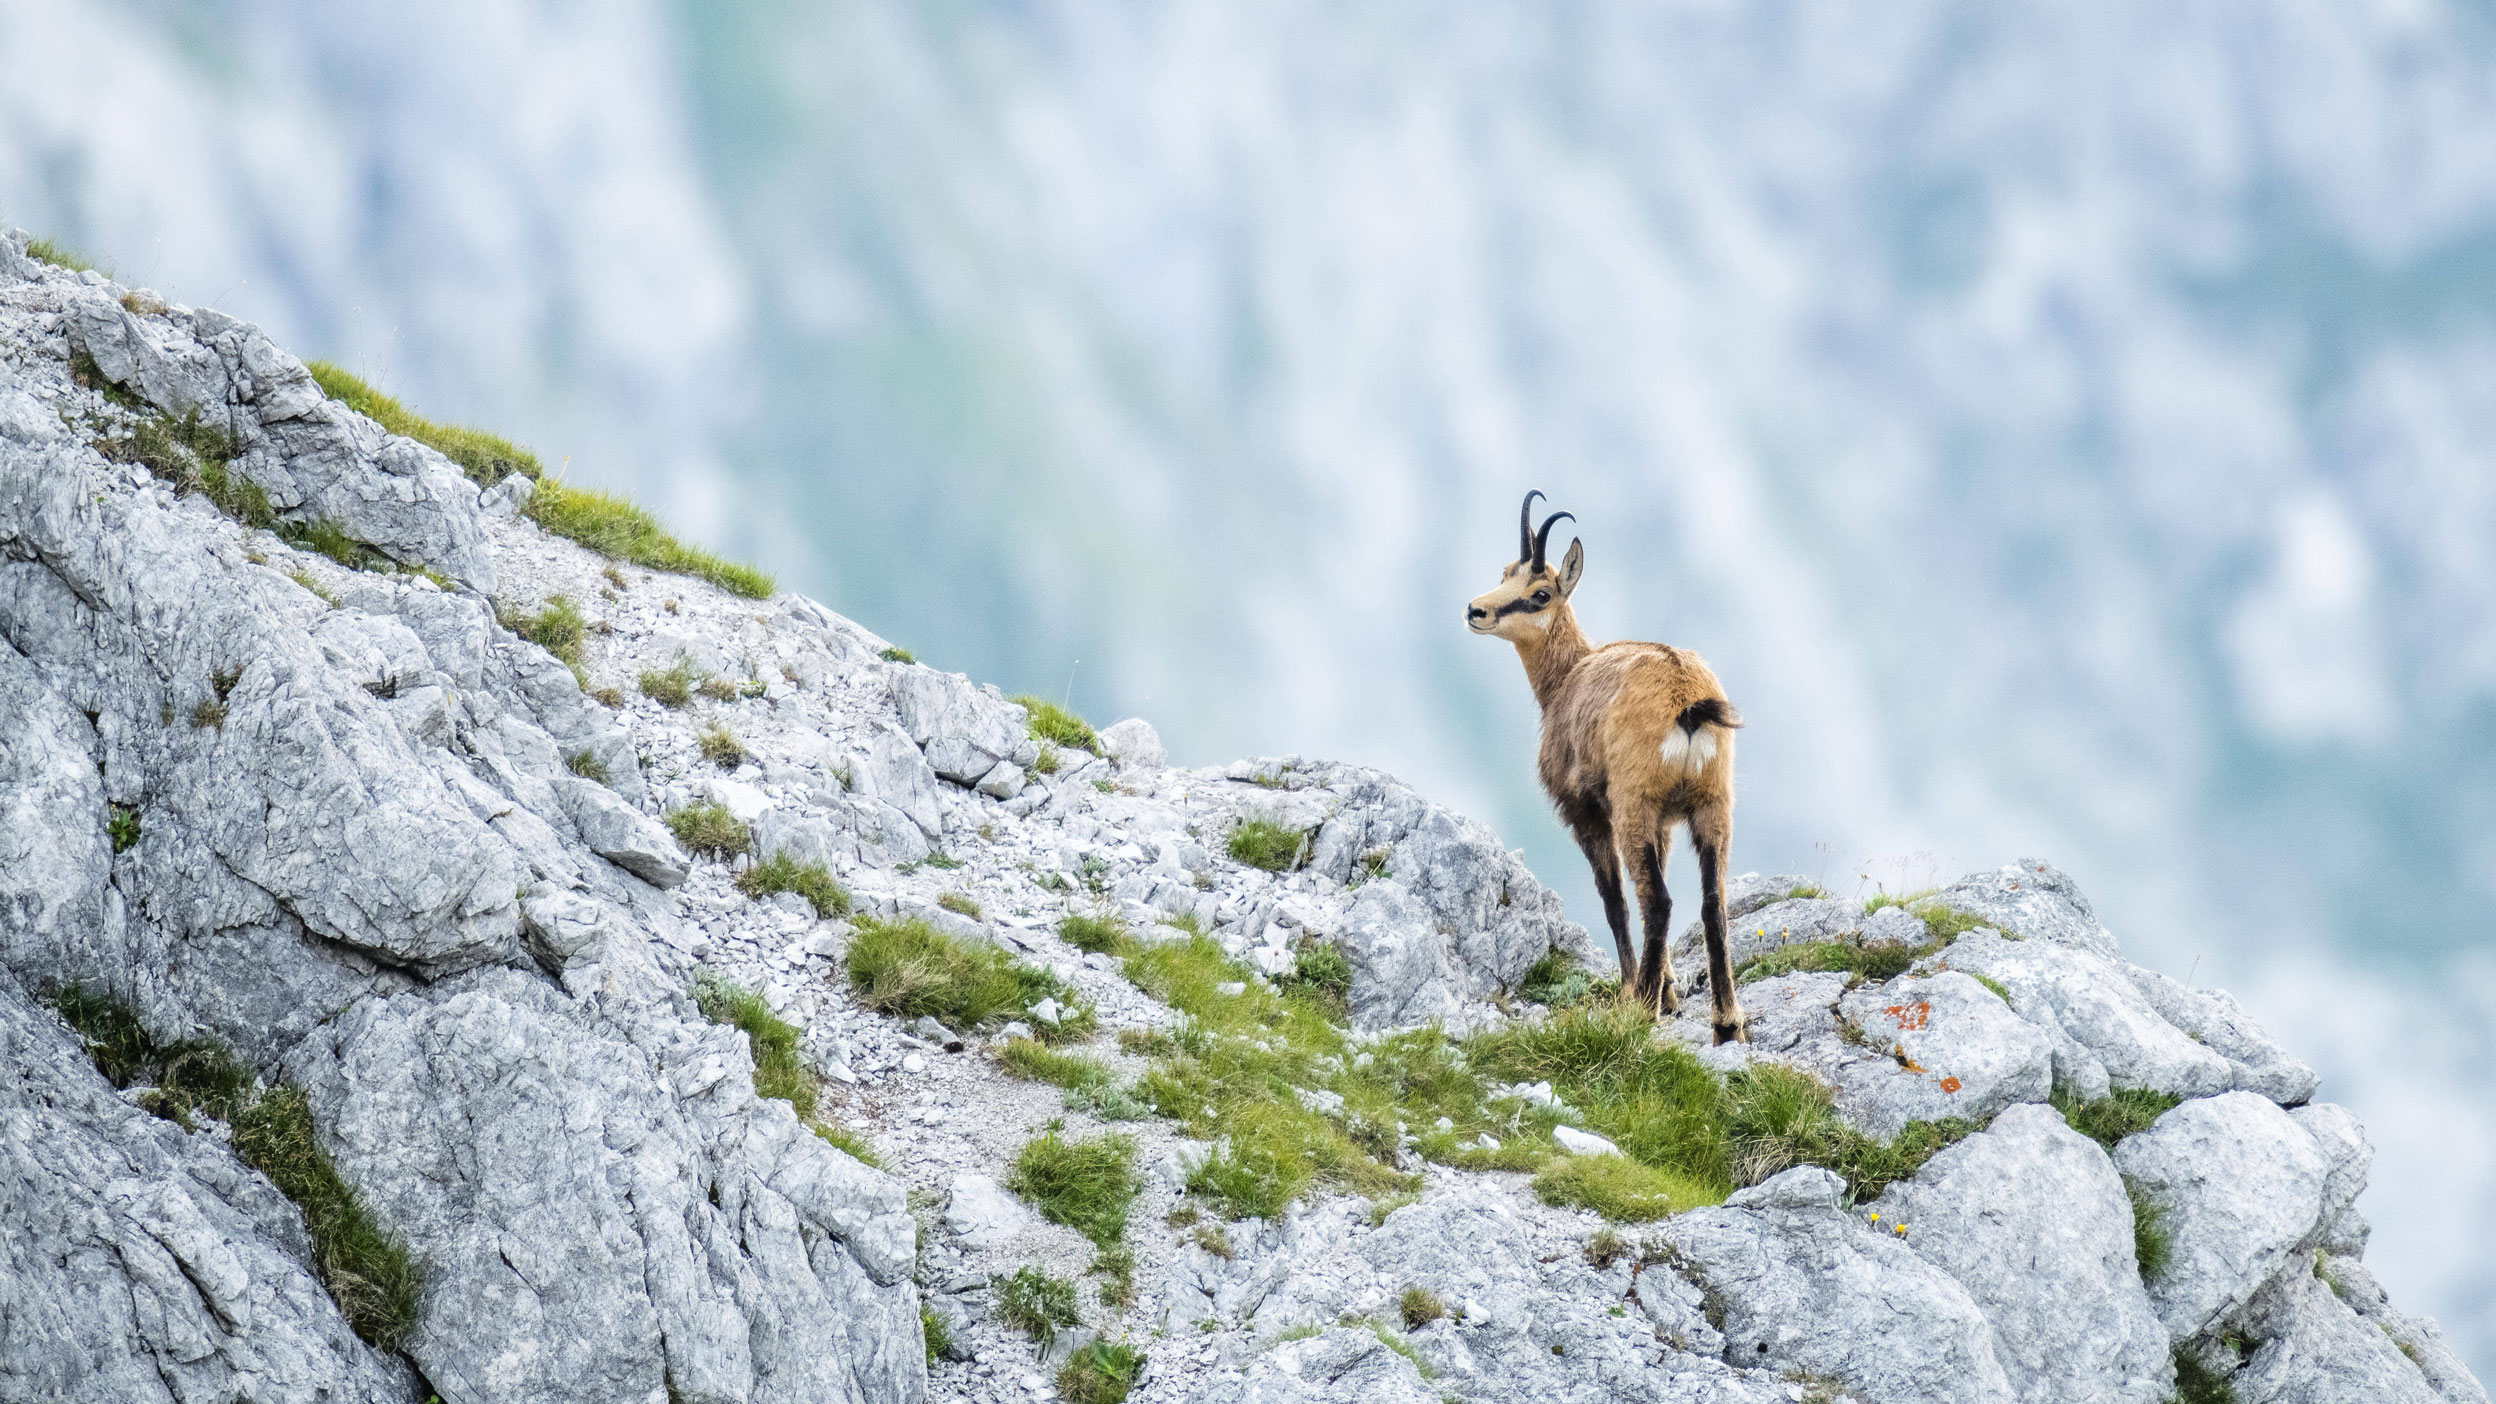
(2242, 1187)
(984, 1214)
(1954, 1049)
(2030, 1218)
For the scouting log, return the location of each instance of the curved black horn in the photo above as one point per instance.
(1525, 526)
(1542, 539)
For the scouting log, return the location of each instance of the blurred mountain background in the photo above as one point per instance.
(2065, 428)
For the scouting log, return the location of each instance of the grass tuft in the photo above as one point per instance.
(2118, 1114)
(909, 968)
(1104, 934)
(2153, 1243)
(721, 747)
(618, 529)
(709, 828)
(1056, 725)
(1100, 1373)
(895, 653)
(1875, 961)
(2196, 1383)
(559, 628)
(1025, 1057)
(1087, 1185)
(960, 905)
(1559, 981)
(934, 1333)
(1034, 1303)
(46, 251)
(586, 765)
(1622, 1190)
(1323, 972)
(782, 872)
(1421, 1306)
(779, 1069)
(366, 1269)
(671, 686)
(858, 1147)
(487, 459)
(1262, 843)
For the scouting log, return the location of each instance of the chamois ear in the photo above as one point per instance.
(1571, 566)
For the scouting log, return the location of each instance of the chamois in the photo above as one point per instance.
(1637, 740)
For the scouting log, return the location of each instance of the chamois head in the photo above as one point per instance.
(1521, 606)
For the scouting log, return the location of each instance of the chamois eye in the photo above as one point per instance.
(1542, 597)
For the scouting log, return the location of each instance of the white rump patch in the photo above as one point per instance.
(1687, 753)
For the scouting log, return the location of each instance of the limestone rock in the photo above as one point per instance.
(2090, 999)
(2242, 1187)
(1951, 1049)
(2030, 1218)
(1133, 742)
(963, 731)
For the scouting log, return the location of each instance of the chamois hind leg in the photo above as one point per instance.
(1593, 828)
(1655, 910)
(1711, 832)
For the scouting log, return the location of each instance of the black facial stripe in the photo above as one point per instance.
(1523, 606)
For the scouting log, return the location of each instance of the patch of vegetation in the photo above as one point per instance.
(718, 689)
(708, 828)
(1053, 723)
(121, 825)
(895, 653)
(1605, 1249)
(210, 712)
(2153, 1243)
(46, 251)
(559, 628)
(616, 528)
(1323, 972)
(1105, 1101)
(1100, 1373)
(586, 765)
(1104, 933)
(934, 1333)
(721, 747)
(366, 1269)
(1088, 1185)
(671, 686)
(313, 587)
(1874, 961)
(195, 458)
(1025, 1057)
(1421, 1306)
(1262, 843)
(779, 1068)
(1619, 1188)
(1559, 981)
(945, 861)
(1990, 983)
(185, 1078)
(487, 459)
(856, 1146)
(324, 538)
(2196, 1383)
(2116, 1115)
(960, 905)
(909, 968)
(782, 872)
(1034, 1303)
(1942, 923)
(1115, 1266)
(1049, 761)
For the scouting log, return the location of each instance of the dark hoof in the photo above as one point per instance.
(1732, 1033)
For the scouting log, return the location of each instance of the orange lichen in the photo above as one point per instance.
(1949, 1084)
(1911, 1016)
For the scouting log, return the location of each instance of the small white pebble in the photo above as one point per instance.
(1034, 1383)
(913, 1063)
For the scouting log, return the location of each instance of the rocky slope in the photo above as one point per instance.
(418, 871)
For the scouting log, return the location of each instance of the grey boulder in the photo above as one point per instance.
(2241, 1187)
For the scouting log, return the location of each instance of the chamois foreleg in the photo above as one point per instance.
(1711, 832)
(1654, 986)
(1593, 827)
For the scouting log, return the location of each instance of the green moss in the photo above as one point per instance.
(779, 1068)
(1104, 933)
(2116, 1115)
(616, 528)
(783, 873)
(908, 968)
(1053, 723)
(720, 747)
(1100, 1373)
(1262, 843)
(709, 828)
(671, 686)
(1620, 1189)
(366, 1269)
(1088, 1185)
(1034, 1303)
(486, 458)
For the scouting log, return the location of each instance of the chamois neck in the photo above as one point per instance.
(1550, 655)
